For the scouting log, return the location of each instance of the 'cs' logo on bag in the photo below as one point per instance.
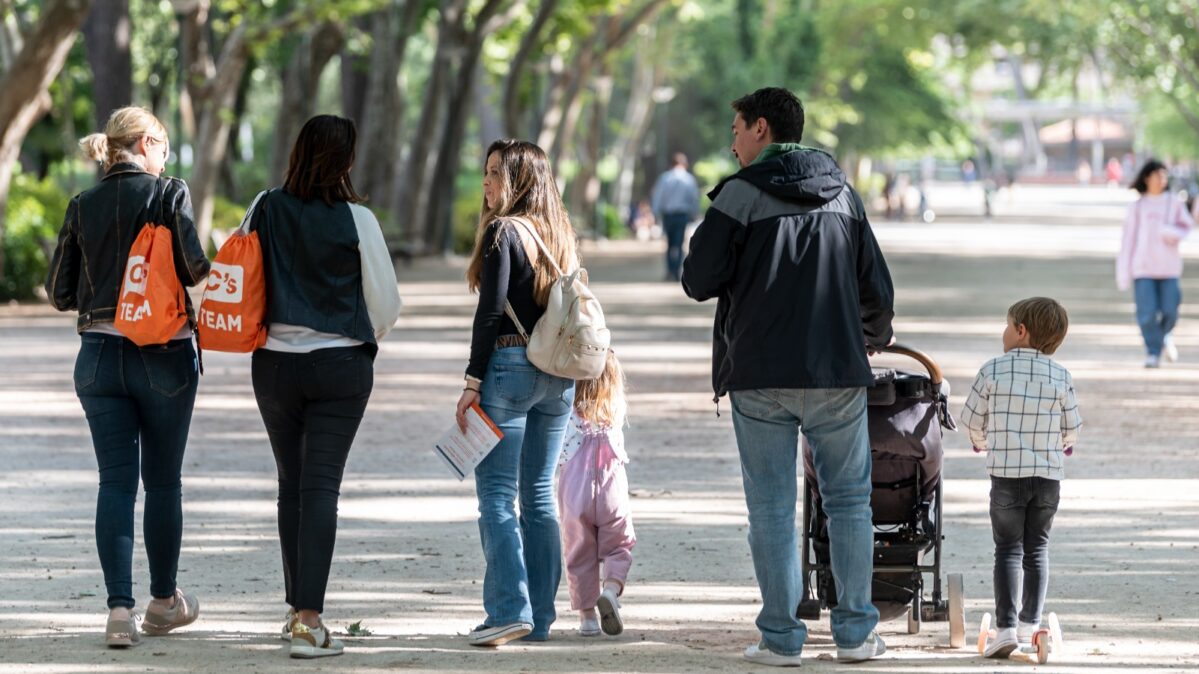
(225, 283)
(136, 272)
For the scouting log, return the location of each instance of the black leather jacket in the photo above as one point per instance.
(98, 231)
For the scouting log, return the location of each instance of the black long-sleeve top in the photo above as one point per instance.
(507, 275)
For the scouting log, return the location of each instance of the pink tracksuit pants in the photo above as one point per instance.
(597, 524)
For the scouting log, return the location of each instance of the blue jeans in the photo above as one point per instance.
(524, 554)
(138, 404)
(1022, 511)
(1157, 309)
(674, 226)
(767, 423)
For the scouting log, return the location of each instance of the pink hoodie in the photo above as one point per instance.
(1153, 228)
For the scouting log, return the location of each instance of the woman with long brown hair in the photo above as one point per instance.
(331, 296)
(513, 276)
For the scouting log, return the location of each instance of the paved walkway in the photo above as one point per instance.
(408, 563)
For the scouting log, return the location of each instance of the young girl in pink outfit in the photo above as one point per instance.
(1150, 261)
(593, 498)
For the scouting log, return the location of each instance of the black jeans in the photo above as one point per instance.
(1022, 511)
(138, 403)
(312, 404)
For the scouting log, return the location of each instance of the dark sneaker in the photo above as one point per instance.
(161, 621)
(498, 635)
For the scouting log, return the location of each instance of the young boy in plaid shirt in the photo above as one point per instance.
(1022, 411)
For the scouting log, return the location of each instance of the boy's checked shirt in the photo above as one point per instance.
(1022, 410)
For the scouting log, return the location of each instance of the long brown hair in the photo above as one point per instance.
(528, 191)
(321, 159)
(601, 401)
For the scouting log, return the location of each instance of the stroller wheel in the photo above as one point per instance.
(957, 611)
(1041, 642)
(984, 633)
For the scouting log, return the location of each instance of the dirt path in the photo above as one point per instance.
(408, 563)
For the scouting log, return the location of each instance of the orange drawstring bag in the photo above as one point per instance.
(152, 307)
(232, 315)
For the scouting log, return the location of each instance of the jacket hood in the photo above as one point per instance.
(806, 175)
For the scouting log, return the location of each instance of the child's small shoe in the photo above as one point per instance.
(1003, 644)
(609, 610)
(589, 626)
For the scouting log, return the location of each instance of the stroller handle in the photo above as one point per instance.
(934, 370)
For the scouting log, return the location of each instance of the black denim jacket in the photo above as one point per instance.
(98, 231)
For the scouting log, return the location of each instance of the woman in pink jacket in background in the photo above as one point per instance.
(1149, 259)
(593, 497)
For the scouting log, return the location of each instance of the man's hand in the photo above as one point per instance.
(870, 350)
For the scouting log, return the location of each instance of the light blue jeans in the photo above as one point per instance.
(767, 423)
(524, 554)
(1157, 301)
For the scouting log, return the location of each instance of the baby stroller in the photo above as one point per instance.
(906, 411)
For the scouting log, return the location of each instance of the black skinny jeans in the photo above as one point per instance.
(1022, 511)
(138, 403)
(312, 404)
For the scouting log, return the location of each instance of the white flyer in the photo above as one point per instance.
(463, 451)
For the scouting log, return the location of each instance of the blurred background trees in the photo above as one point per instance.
(610, 88)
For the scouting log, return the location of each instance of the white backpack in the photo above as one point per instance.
(571, 339)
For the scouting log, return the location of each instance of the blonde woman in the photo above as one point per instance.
(138, 401)
(532, 408)
(593, 497)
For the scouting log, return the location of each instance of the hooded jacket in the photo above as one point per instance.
(802, 285)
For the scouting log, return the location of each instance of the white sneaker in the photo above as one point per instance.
(872, 647)
(498, 635)
(1024, 632)
(1003, 644)
(589, 627)
(313, 642)
(1170, 349)
(609, 609)
(1153, 362)
(764, 656)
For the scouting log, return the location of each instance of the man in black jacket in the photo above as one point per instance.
(803, 293)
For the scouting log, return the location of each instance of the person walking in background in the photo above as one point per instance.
(675, 200)
(786, 246)
(331, 296)
(593, 497)
(522, 225)
(1022, 411)
(1150, 262)
(138, 400)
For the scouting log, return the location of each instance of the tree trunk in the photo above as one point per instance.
(355, 72)
(23, 87)
(638, 116)
(383, 115)
(106, 36)
(445, 173)
(301, 77)
(513, 110)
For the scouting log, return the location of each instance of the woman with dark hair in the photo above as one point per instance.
(523, 224)
(331, 295)
(1149, 260)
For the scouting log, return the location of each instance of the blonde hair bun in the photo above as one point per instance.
(95, 146)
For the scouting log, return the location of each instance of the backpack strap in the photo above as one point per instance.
(245, 221)
(528, 226)
(161, 192)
